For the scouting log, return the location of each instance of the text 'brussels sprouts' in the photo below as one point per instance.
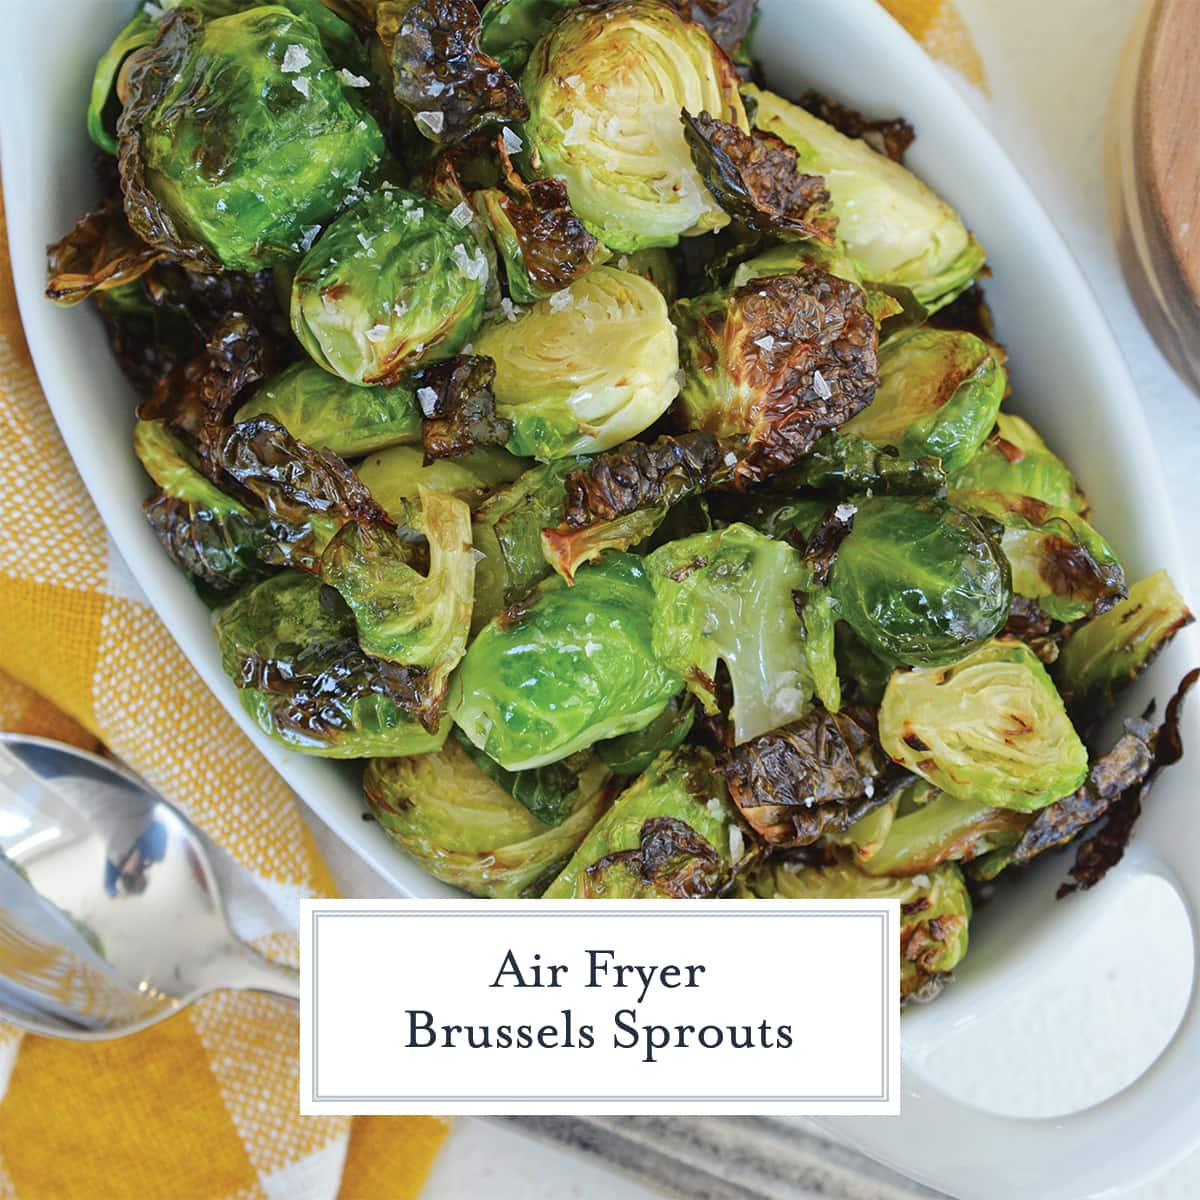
(586, 369)
(990, 728)
(468, 831)
(245, 178)
(900, 230)
(605, 87)
(392, 284)
(920, 581)
(776, 363)
(565, 668)
(671, 835)
(939, 392)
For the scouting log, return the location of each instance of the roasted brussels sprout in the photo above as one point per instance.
(393, 283)
(672, 834)
(1111, 650)
(845, 465)
(467, 830)
(632, 753)
(605, 87)
(395, 476)
(330, 414)
(509, 29)
(776, 363)
(246, 178)
(586, 369)
(1056, 557)
(990, 728)
(726, 596)
(290, 645)
(565, 668)
(887, 218)
(939, 392)
(920, 581)
(935, 911)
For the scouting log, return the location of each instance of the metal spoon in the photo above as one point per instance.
(110, 915)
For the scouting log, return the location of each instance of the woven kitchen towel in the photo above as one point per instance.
(203, 1107)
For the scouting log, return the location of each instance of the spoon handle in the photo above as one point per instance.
(246, 970)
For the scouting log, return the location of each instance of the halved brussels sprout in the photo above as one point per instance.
(395, 476)
(990, 728)
(726, 596)
(776, 363)
(291, 647)
(900, 230)
(845, 465)
(468, 831)
(565, 668)
(935, 911)
(919, 580)
(605, 87)
(327, 412)
(1056, 557)
(246, 178)
(632, 753)
(939, 393)
(1015, 460)
(586, 369)
(393, 283)
(672, 834)
(1111, 650)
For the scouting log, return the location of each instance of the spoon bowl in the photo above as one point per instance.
(111, 918)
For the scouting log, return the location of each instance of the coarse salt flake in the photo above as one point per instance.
(433, 121)
(377, 333)
(302, 86)
(308, 235)
(820, 386)
(462, 214)
(363, 240)
(512, 143)
(509, 309)
(153, 11)
(766, 342)
(349, 78)
(737, 843)
(844, 512)
(560, 301)
(922, 881)
(730, 458)
(427, 398)
(471, 265)
(714, 807)
(295, 59)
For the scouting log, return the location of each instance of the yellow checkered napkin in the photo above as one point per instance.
(205, 1106)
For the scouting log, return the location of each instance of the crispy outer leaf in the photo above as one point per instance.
(890, 136)
(218, 548)
(847, 465)
(458, 407)
(99, 253)
(672, 862)
(755, 177)
(727, 21)
(439, 73)
(818, 772)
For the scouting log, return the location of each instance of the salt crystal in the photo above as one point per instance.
(574, 82)
(153, 11)
(714, 807)
(377, 333)
(295, 59)
(922, 881)
(869, 788)
(560, 301)
(820, 386)
(730, 458)
(844, 512)
(737, 843)
(471, 265)
(462, 214)
(308, 235)
(351, 80)
(301, 85)
(512, 143)
(428, 399)
(436, 87)
(766, 342)
(509, 309)
(363, 240)
(581, 126)
(415, 214)
(433, 121)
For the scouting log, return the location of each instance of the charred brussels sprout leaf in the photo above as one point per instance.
(104, 105)
(565, 668)
(777, 362)
(439, 74)
(395, 476)
(393, 283)
(939, 392)
(672, 834)
(605, 89)
(1111, 650)
(290, 645)
(887, 218)
(754, 178)
(459, 407)
(1056, 557)
(98, 254)
(919, 581)
(330, 414)
(273, 153)
(812, 776)
(890, 136)
(587, 369)
(990, 728)
(935, 911)
(727, 21)
(726, 596)
(632, 753)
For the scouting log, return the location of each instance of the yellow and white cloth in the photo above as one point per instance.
(205, 1106)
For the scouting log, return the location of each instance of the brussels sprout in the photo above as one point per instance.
(726, 596)
(864, 838)
(393, 283)
(890, 136)
(863, 674)
(814, 775)
(1111, 650)
(887, 218)
(776, 362)
(920, 581)
(246, 178)
(567, 667)
(467, 830)
(605, 89)
(509, 29)
(290, 645)
(848, 466)
(935, 910)
(587, 369)
(632, 753)
(331, 414)
(394, 477)
(939, 392)
(656, 265)
(990, 728)
(672, 834)
(1056, 557)
(548, 792)
(1015, 460)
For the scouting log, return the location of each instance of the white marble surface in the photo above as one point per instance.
(1051, 64)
